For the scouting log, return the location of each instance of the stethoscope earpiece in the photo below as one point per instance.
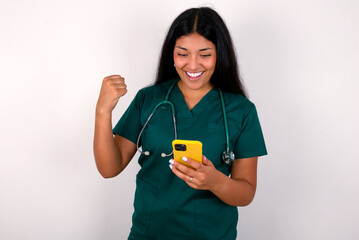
(147, 153)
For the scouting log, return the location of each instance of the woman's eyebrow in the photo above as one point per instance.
(205, 49)
(201, 50)
(182, 48)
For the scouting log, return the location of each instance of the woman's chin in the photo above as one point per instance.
(195, 85)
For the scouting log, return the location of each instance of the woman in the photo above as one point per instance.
(197, 73)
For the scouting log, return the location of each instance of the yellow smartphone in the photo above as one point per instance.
(187, 148)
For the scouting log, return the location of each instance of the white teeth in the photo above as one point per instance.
(194, 74)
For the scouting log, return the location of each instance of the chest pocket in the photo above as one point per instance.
(215, 144)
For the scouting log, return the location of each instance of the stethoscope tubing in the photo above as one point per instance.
(166, 101)
(224, 119)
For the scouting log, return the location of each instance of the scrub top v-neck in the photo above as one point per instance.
(165, 207)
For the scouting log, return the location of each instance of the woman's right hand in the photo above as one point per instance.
(112, 153)
(113, 87)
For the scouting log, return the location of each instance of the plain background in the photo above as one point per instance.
(299, 61)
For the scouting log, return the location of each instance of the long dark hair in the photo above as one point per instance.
(206, 22)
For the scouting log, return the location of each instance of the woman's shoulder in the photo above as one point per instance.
(236, 101)
(160, 88)
(153, 93)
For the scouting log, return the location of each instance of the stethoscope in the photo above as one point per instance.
(227, 155)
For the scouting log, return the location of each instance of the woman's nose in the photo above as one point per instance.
(193, 63)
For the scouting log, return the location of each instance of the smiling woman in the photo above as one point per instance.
(195, 60)
(209, 25)
(198, 94)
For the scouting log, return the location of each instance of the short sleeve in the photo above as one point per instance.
(129, 125)
(250, 142)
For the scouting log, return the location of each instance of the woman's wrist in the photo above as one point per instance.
(103, 112)
(220, 182)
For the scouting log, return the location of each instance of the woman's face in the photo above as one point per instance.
(195, 60)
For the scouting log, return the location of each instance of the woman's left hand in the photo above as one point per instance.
(204, 176)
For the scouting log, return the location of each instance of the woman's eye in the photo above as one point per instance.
(206, 55)
(181, 54)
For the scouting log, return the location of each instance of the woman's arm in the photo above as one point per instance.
(237, 190)
(112, 154)
(240, 188)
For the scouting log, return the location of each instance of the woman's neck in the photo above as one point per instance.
(193, 96)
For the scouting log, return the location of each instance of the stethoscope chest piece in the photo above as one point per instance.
(228, 157)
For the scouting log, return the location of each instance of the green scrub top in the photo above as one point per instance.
(165, 207)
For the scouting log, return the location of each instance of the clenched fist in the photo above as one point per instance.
(113, 87)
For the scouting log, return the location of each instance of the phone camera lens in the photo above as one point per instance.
(180, 147)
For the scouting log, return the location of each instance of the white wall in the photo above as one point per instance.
(298, 60)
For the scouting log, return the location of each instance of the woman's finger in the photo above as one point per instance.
(183, 168)
(190, 180)
(120, 85)
(196, 165)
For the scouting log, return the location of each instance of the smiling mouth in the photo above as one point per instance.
(194, 75)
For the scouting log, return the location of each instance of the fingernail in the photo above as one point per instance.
(171, 161)
(171, 166)
(184, 159)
